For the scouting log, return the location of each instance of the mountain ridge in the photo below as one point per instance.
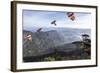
(41, 43)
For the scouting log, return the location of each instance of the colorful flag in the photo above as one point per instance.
(71, 15)
(28, 37)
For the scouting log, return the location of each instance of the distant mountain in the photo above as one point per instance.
(48, 40)
(42, 43)
(72, 34)
(69, 34)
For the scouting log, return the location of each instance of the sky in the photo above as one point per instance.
(43, 19)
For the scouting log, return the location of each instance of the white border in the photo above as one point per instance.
(21, 65)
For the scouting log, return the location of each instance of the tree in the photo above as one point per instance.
(86, 43)
(85, 37)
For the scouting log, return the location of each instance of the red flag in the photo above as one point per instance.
(28, 37)
(71, 15)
